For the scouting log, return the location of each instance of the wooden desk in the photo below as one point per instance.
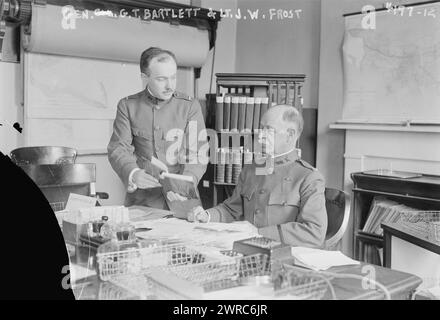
(401, 285)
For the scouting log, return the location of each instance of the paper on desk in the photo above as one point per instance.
(164, 228)
(138, 213)
(77, 201)
(317, 259)
(115, 214)
(214, 235)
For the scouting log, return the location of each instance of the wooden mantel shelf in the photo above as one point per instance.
(432, 128)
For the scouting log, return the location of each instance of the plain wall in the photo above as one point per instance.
(225, 51)
(281, 45)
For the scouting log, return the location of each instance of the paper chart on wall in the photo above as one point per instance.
(392, 68)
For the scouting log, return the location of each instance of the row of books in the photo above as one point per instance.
(383, 211)
(230, 163)
(239, 113)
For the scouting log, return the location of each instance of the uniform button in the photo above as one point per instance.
(262, 191)
(284, 203)
(258, 211)
(157, 128)
(288, 179)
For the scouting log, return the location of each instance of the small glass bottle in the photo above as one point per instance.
(95, 226)
(125, 232)
(106, 230)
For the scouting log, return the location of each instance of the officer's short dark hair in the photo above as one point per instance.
(293, 115)
(153, 52)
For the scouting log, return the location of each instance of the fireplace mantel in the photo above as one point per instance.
(435, 128)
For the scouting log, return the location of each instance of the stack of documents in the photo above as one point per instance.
(317, 260)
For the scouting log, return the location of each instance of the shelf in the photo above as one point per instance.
(224, 184)
(372, 237)
(278, 88)
(235, 133)
(432, 128)
(395, 195)
(239, 77)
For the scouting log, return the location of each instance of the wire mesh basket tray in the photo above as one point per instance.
(211, 280)
(57, 206)
(300, 283)
(425, 224)
(192, 279)
(139, 257)
(110, 291)
(218, 275)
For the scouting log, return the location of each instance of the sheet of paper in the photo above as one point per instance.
(317, 259)
(77, 201)
(115, 214)
(220, 236)
(139, 213)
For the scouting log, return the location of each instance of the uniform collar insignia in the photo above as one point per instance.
(290, 156)
(266, 164)
(153, 99)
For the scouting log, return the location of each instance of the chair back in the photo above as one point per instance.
(337, 204)
(58, 181)
(43, 155)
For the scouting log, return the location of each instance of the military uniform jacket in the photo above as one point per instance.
(287, 205)
(146, 126)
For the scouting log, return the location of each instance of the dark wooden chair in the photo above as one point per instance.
(43, 155)
(337, 204)
(58, 181)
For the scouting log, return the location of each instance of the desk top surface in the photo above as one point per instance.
(399, 284)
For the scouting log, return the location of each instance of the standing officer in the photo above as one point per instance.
(156, 123)
(285, 202)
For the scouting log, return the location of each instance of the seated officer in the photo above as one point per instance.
(285, 201)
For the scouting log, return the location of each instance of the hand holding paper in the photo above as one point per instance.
(173, 196)
(145, 181)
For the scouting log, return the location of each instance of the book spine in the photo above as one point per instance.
(219, 114)
(264, 106)
(250, 106)
(228, 166)
(257, 107)
(237, 159)
(241, 114)
(227, 113)
(220, 172)
(234, 114)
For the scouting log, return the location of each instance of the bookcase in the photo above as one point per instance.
(243, 99)
(421, 193)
